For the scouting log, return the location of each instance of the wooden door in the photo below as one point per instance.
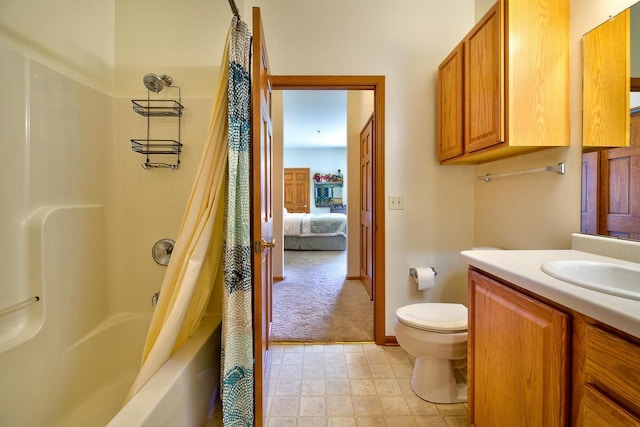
(589, 193)
(262, 215)
(611, 188)
(296, 190)
(451, 105)
(620, 192)
(518, 358)
(366, 206)
(484, 83)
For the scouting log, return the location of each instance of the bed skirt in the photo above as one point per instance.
(316, 243)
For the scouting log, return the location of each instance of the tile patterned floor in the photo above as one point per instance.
(350, 385)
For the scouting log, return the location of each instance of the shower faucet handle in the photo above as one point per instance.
(154, 299)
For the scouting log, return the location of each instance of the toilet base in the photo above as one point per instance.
(434, 380)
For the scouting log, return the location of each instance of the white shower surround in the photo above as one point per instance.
(74, 353)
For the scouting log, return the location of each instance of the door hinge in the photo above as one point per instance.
(257, 247)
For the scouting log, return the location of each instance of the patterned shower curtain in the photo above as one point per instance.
(237, 327)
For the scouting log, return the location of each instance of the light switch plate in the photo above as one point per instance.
(396, 203)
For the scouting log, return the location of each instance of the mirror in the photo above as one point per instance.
(611, 117)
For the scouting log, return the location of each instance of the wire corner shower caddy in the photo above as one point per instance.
(158, 107)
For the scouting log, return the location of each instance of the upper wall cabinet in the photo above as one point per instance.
(451, 105)
(504, 90)
(606, 84)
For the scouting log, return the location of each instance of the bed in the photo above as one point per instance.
(315, 232)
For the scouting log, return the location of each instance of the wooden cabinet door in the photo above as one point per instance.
(605, 113)
(484, 83)
(536, 48)
(451, 105)
(296, 190)
(518, 358)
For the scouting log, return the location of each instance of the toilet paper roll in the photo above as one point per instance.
(425, 278)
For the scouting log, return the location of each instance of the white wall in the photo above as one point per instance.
(405, 42)
(481, 7)
(185, 41)
(75, 38)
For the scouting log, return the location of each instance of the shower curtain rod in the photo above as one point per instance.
(234, 8)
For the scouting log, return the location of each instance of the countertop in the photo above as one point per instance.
(522, 268)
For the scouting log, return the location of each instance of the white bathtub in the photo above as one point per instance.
(183, 391)
(85, 385)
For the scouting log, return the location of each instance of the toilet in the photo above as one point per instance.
(436, 335)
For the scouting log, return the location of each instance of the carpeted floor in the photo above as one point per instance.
(316, 304)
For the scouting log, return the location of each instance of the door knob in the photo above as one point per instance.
(271, 244)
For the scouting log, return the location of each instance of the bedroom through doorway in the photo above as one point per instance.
(318, 295)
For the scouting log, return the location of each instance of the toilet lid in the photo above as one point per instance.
(437, 317)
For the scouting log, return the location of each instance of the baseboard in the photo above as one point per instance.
(390, 340)
(278, 279)
(353, 277)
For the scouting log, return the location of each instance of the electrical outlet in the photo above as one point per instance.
(396, 203)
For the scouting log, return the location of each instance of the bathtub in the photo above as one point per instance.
(87, 383)
(66, 361)
(184, 390)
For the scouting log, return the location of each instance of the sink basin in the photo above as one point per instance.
(603, 277)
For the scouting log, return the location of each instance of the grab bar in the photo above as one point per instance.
(19, 305)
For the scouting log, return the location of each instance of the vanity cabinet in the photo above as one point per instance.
(518, 361)
(511, 76)
(610, 384)
(533, 362)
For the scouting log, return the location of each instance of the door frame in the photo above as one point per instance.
(375, 83)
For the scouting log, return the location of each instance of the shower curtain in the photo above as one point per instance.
(237, 326)
(195, 265)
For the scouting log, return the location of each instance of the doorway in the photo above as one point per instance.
(315, 302)
(376, 85)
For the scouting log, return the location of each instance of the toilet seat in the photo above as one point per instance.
(434, 317)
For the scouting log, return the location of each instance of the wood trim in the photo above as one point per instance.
(377, 84)
(353, 278)
(634, 84)
(277, 279)
(391, 340)
(327, 82)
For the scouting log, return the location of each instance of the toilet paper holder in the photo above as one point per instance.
(414, 273)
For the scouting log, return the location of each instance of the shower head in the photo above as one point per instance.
(155, 82)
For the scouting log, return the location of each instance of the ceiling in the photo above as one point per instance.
(314, 118)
